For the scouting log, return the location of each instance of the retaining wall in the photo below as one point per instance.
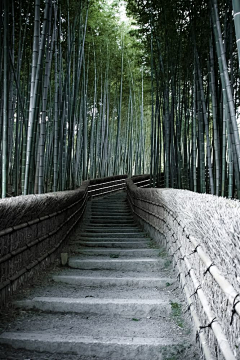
(34, 228)
(202, 234)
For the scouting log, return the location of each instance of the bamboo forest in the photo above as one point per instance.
(92, 88)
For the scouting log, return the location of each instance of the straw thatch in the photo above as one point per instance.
(202, 234)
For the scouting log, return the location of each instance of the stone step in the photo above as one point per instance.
(111, 222)
(120, 230)
(104, 207)
(112, 347)
(109, 208)
(111, 216)
(111, 244)
(105, 212)
(111, 227)
(111, 211)
(136, 264)
(114, 216)
(101, 234)
(118, 252)
(110, 307)
(105, 290)
(106, 281)
(112, 239)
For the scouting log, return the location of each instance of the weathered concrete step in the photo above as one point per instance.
(111, 222)
(113, 212)
(108, 234)
(103, 207)
(114, 216)
(134, 252)
(65, 290)
(112, 227)
(114, 348)
(105, 281)
(120, 230)
(140, 264)
(108, 207)
(110, 307)
(108, 202)
(110, 215)
(111, 244)
(112, 239)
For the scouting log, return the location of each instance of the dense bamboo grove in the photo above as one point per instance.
(84, 95)
(195, 53)
(72, 95)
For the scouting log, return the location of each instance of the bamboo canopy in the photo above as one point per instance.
(92, 90)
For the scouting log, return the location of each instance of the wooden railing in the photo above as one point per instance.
(106, 185)
(141, 180)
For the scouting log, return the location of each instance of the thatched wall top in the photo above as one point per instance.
(214, 221)
(21, 209)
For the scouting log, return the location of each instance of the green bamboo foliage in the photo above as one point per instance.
(36, 78)
(204, 113)
(195, 93)
(5, 105)
(218, 37)
(60, 110)
(96, 100)
(214, 112)
(236, 10)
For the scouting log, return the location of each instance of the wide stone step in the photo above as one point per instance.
(111, 244)
(111, 222)
(118, 252)
(110, 229)
(112, 239)
(111, 307)
(105, 281)
(111, 216)
(104, 291)
(130, 234)
(114, 348)
(108, 207)
(105, 212)
(136, 264)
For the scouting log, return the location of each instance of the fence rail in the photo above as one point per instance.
(106, 185)
(141, 180)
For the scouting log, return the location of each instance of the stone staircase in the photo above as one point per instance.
(115, 300)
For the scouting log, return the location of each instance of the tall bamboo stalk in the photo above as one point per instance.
(5, 105)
